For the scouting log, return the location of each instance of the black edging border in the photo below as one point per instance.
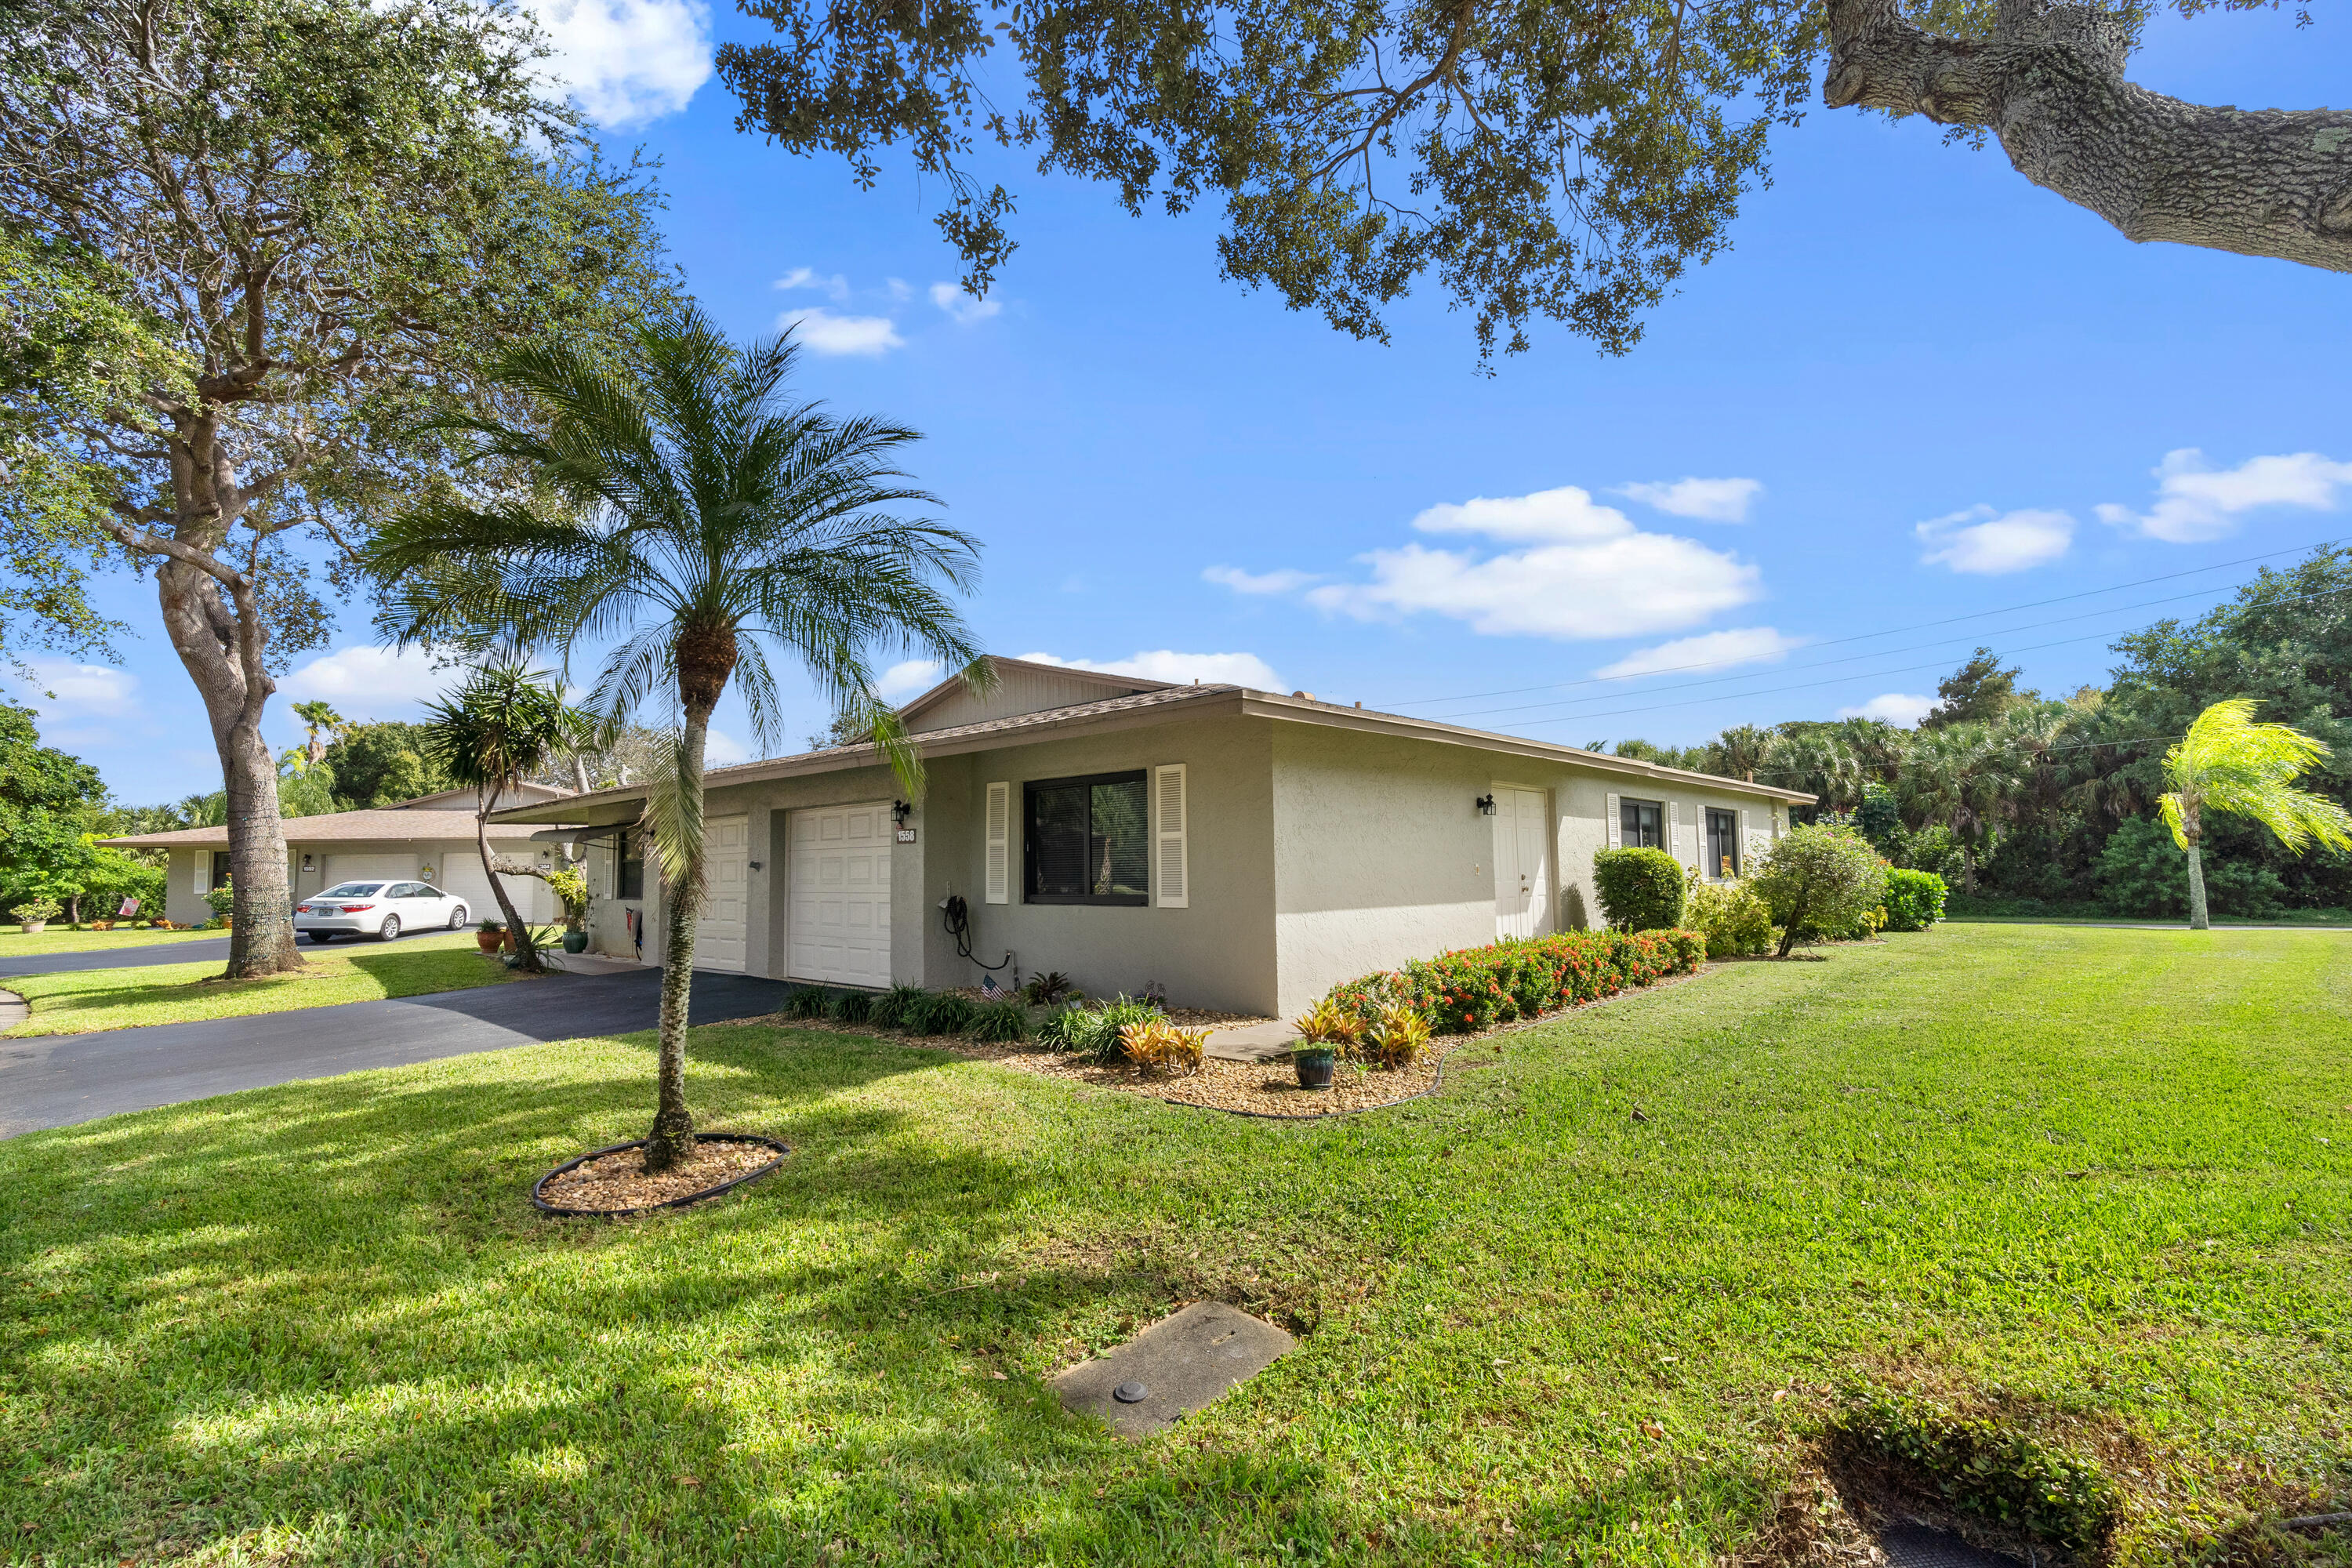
(783, 1150)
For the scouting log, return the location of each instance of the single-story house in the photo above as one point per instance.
(429, 839)
(1244, 850)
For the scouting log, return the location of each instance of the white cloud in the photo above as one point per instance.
(900, 289)
(828, 333)
(1282, 581)
(960, 307)
(2195, 501)
(907, 678)
(1894, 706)
(1987, 543)
(1743, 645)
(835, 286)
(1709, 501)
(1591, 574)
(721, 750)
(627, 61)
(371, 682)
(61, 688)
(1166, 664)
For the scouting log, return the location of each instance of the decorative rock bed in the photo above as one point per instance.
(612, 1180)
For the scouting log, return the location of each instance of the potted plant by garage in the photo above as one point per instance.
(36, 914)
(1326, 1033)
(223, 900)
(570, 885)
(490, 935)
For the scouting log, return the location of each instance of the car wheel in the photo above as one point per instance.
(390, 930)
(457, 918)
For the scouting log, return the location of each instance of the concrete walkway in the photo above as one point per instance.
(56, 1080)
(1258, 1043)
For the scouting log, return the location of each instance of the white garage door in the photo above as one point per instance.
(366, 867)
(840, 870)
(722, 936)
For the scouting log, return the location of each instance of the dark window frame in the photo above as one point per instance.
(1730, 840)
(622, 862)
(1030, 788)
(1634, 834)
(220, 868)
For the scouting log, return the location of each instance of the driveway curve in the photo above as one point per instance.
(57, 1080)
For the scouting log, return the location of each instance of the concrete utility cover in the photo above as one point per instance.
(1179, 1363)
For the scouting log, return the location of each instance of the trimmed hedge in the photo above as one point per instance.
(1474, 988)
(1641, 890)
(1915, 899)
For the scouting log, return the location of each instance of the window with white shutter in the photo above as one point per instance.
(1000, 845)
(1615, 833)
(204, 871)
(1167, 835)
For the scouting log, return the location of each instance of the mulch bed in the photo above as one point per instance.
(615, 1182)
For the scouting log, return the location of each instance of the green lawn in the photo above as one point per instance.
(2090, 1185)
(80, 1001)
(14, 943)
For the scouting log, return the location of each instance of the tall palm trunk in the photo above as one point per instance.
(2189, 824)
(705, 659)
(497, 888)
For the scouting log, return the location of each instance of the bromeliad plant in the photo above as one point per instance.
(691, 517)
(2228, 763)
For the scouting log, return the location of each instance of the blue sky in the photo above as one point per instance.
(1915, 388)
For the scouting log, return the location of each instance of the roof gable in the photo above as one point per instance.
(1021, 687)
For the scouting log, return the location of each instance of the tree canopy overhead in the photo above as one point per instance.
(1561, 159)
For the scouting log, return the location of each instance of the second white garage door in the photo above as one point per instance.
(722, 937)
(840, 870)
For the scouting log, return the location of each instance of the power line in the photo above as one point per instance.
(1892, 631)
(1851, 659)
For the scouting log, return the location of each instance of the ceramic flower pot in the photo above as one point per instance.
(34, 928)
(1313, 1065)
(575, 941)
(489, 941)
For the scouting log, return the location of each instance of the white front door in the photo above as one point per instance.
(722, 936)
(839, 864)
(1522, 862)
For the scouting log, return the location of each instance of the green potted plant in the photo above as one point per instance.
(223, 900)
(570, 885)
(491, 935)
(1326, 1033)
(35, 913)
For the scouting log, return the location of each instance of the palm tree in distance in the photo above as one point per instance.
(688, 513)
(500, 727)
(319, 720)
(2228, 763)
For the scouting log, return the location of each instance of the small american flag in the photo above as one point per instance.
(990, 989)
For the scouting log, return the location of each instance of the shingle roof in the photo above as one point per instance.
(382, 824)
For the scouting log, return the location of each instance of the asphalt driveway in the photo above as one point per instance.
(210, 949)
(56, 1080)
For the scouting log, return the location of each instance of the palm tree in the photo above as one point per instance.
(319, 718)
(1740, 751)
(697, 515)
(501, 726)
(2228, 763)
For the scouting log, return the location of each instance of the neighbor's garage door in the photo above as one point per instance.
(380, 867)
(840, 870)
(462, 877)
(722, 936)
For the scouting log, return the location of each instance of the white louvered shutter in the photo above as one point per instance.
(1615, 836)
(1169, 869)
(1000, 844)
(1740, 866)
(1670, 828)
(204, 871)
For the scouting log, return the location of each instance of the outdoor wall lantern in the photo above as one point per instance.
(754, 865)
(1485, 806)
(900, 811)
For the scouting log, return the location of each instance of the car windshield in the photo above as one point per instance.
(351, 891)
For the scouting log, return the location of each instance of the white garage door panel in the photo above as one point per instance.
(722, 936)
(461, 877)
(369, 867)
(840, 910)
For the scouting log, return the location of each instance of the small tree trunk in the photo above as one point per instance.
(528, 960)
(2197, 916)
(1789, 932)
(672, 1138)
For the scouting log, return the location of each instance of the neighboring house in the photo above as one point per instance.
(429, 839)
(1245, 849)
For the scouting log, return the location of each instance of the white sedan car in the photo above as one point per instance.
(380, 909)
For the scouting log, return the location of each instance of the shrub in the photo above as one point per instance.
(852, 1006)
(1053, 1031)
(1332, 1023)
(1155, 1045)
(940, 1013)
(1641, 890)
(1983, 1467)
(1820, 879)
(1730, 917)
(1915, 899)
(1474, 988)
(890, 1009)
(221, 900)
(1002, 1022)
(1048, 987)
(2143, 872)
(33, 911)
(808, 1002)
(1093, 1031)
(1397, 1039)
